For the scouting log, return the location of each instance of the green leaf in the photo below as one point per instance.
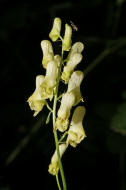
(48, 118)
(118, 122)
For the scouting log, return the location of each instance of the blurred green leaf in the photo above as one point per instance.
(116, 143)
(118, 122)
(124, 95)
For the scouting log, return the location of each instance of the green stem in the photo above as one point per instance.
(54, 130)
(63, 136)
(48, 106)
(58, 183)
(60, 96)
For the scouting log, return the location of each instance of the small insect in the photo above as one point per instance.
(73, 26)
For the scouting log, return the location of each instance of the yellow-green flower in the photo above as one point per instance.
(47, 52)
(67, 38)
(76, 131)
(54, 166)
(70, 66)
(55, 32)
(36, 102)
(49, 83)
(62, 120)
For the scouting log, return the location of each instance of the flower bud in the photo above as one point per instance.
(67, 38)
(54, 166)
(49, 83)
(55, 32)
(67, 102)
(47, 52)
(70, 66)
(35, 101)
(76, 132)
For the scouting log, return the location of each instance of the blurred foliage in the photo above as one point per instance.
(118, 123)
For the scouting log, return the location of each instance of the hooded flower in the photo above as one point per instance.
(47, 52)
(62, 121)
(36, 102)
(74, 85)
(55, 32)
(49, 83)
(54, 166)
(76, 132)
(67, 38)
(70, 66)
(77, 47)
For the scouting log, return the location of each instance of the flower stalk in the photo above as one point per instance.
(55, 131)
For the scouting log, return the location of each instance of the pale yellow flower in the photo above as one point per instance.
(77, 47)
(54, 166)
(67, 102)
(36, 102)
(55, 32)
(76, 131)
(47, 52)
(49, 83)
(74, 60)
(74, 85)
(67, 38)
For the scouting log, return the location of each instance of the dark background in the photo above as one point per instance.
(26, 143)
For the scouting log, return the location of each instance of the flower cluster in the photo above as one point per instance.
(46, 89)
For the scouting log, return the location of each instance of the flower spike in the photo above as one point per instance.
(47, 87)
